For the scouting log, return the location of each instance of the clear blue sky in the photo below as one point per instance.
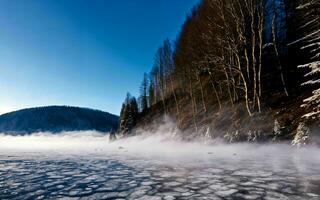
(86, 53)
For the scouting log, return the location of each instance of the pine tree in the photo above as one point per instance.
(134, 111)
(122, 120)
(143, 93)
(310, 10)
(151, 90)
(302, 136)
(128, 115)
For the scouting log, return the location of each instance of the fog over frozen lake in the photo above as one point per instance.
(84, 165)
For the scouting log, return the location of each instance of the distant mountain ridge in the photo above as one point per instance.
(56, 119)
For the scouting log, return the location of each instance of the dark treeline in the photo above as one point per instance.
(236, 55)
(128, 114)
(56, 119)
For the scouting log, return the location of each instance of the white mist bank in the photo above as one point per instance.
(157, 145)
(161, 149)
(76, 141)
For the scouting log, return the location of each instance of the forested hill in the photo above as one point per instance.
(242, 70)
(56, 119)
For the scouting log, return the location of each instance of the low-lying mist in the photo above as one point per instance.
(157, 145)
(73, 141)
(162, 149)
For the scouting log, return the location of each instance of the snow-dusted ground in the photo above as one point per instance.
(153, 168)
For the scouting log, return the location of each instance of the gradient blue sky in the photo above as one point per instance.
(86, 53)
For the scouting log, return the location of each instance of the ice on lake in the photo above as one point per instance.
(67, 167)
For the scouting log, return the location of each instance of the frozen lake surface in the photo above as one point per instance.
(160, 171)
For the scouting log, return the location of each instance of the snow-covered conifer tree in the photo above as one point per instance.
(310, 10)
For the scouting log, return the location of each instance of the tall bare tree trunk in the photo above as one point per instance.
(242, 35)
(247, 63)
(253, 55)
(202, 95)
(163, 100)
(244, 85)
(228, 86)
(175, 97)
(261, 22)
(277, 54)
(224, 61)
(233, 81)
(246, 95)
(193, 104)
(215, 90)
